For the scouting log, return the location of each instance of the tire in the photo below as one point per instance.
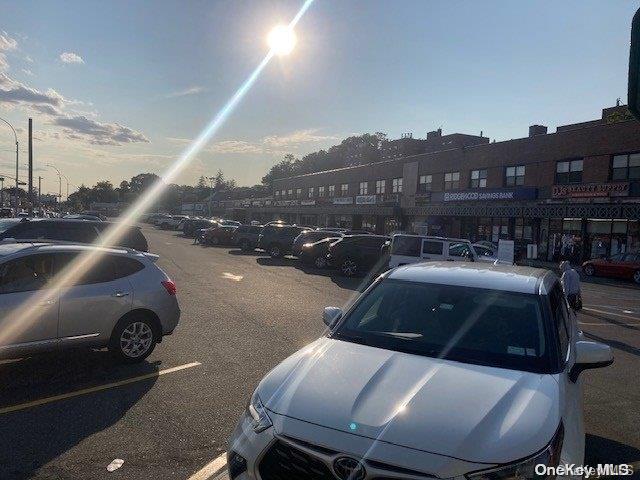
(214, 241)
(636, 277)
(349, 267)
(589, 270)
(164, 226)
(244, 245)
(275, 251)
(320, 262)
(133, 339)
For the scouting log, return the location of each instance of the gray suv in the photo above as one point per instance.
(124, 301)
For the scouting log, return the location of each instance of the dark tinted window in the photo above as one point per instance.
(26, 230)
(127, 266)
(26, 273)
(104, 270)
(460, 250)
(404, 245)
(560, 318)
(472, 325)
(432, 247)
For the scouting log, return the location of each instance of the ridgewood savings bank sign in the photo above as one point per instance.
(524, 193)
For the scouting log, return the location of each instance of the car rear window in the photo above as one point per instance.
(432, 247)
(406, 245)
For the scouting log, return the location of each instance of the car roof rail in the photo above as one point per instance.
(66, 242)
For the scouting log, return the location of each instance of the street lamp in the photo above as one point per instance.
(16, 138)
(59, 179)
(67, 179)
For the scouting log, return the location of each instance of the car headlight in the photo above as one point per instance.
(526, 469)
(307, 245)
(260, 420)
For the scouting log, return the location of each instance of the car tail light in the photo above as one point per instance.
(170, 287)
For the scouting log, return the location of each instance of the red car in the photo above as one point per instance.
(622, 265)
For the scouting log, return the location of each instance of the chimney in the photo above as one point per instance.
(434, 134)
(537, 130)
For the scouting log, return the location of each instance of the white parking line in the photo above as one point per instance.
(85, 391)
(231, 276)
(610, 313)
(211, 468)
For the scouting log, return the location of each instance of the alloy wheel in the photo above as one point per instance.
(349, 267)
(589, 270)
(320, 262)
(274, 251)
(136, 339)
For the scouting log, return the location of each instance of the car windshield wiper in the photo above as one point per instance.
(351, 338)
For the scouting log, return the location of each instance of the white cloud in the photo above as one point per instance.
(27, 72)
(17, 93)
(296, 138)
(82, 128)
(6, 44)
(234, 146)
(70, 57)
(28, 59)
(187, 91)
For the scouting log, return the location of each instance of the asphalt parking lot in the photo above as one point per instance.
(68, 416)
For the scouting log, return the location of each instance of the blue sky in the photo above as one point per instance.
(142, 78)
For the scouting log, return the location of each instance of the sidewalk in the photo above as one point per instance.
(614, 282)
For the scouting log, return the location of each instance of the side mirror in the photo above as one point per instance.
(331, 315)
(590, 355)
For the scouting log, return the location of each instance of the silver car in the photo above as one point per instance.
(124, 301)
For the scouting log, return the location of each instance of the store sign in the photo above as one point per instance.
(365, 200)
(485, 194)
(343, 201)
(308, 202)
(591, 190)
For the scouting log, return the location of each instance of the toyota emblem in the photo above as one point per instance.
(347, 468)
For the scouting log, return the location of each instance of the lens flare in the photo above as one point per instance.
(22, 317)
(282, 40)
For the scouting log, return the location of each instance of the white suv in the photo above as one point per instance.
(124, 302)
(438, 370)
(406, 249)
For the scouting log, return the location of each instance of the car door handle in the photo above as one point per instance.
(120, 294)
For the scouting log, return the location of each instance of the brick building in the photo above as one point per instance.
(574, 193)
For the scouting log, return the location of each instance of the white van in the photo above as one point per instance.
(406, 249)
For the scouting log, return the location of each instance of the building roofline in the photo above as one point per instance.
(468, 147)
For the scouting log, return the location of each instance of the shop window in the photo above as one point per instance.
(298, 192)
(626, 167)
(290, 192)
(344, 189)
(523, 229)
(424, 183)
(397, 185)
(311, 192)
(321, 191)
(364, 187)
(284, 193)
(381, 186)
(452, 180)
(569, 171)
(514, 176)
(478, 179)
(332, 190)
(277, 193)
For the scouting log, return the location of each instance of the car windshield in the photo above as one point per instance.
(471, 325)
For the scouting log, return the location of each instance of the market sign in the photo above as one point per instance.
(591, 190)
(343, 201)
(308, 202)
(365, 200)
(486, 194)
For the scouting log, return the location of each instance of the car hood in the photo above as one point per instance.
(470, 412)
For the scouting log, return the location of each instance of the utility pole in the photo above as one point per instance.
(30, 167)
(15, 135)
(1, 192)
(40, 193)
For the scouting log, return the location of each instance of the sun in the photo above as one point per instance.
(282, 40)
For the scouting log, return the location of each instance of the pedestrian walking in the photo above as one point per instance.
(571, 285)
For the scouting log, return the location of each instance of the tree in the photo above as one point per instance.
(202, 182)
(104, 192)
(142, 181)
(218, 181)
